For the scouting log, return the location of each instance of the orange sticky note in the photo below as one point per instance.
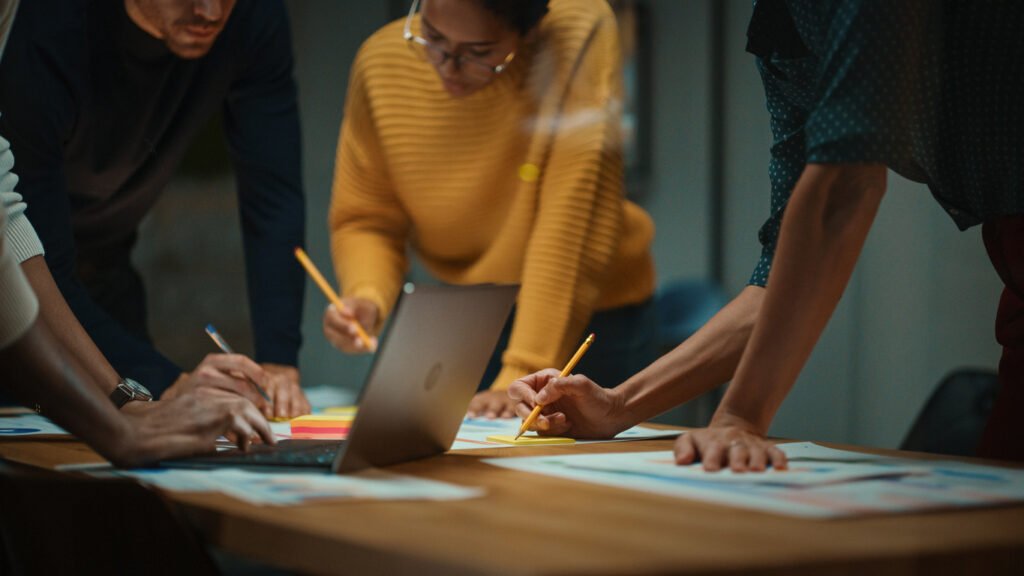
(321, 427)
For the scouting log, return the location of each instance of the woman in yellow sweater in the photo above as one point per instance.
(485, 135)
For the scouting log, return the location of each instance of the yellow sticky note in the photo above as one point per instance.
(529, 440)
(342, 410)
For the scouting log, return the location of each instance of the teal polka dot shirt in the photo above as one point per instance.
(934, 89)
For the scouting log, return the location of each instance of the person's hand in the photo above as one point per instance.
(491, 404)
(729, 441)
(188, 424)
(340, 325)
(282, 385)
(573, 406)
(227, 372)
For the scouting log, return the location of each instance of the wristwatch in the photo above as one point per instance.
(128, 390)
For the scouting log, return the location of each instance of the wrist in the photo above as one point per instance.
(127, 391)
(727, 415)
(619, 413)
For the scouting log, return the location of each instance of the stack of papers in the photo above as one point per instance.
(820, 483)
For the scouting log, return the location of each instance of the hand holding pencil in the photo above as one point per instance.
(532, 416)
(572, 405)
(344, 320)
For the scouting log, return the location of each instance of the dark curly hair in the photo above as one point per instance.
(520, 15)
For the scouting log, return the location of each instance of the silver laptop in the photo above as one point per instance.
(425, 373)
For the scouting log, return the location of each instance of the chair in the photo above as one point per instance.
(57, 524)
(954, 417)
(683, 307)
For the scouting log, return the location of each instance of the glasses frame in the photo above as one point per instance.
(458, 59)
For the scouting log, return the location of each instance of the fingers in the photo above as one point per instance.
(242, 420)
(712, 454)
(685, 450)
(727, 447)
(491, 404)
(556, 424)
(739, 456)
(282, 402)
(573, 386)
(289, 401)
(235, 363)
(192, 423)
(300, 404)
(527, 386)
(476, 406)
(758, 460)
(232, 373)
(340, 330)
(778, 458)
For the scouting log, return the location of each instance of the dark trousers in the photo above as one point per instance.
(1004, 433)
(625, 343)
(115, 285)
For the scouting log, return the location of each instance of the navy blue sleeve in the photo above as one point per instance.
(853, 97)
(874, 66)
(788, 117)
(262, 126)
(38, 95)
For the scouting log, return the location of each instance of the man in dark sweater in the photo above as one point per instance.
(102, 98)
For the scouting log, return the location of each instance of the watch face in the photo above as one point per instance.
(139, 392)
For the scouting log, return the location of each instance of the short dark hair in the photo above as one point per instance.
(520, 15)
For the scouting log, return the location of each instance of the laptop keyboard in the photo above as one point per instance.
(298, 453)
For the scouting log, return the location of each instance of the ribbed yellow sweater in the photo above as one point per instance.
(416, 167)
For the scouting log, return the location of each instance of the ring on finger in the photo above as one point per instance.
(736, 444)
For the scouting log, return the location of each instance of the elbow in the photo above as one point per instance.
(851, 196)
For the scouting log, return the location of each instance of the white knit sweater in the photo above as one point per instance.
(18, 304)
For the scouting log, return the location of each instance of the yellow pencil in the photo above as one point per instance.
(565, 372)
(330, 293)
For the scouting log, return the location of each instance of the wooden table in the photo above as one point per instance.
(531, 524)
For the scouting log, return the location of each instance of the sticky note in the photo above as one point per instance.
(529, 440)
(342, 410)
(321, 427)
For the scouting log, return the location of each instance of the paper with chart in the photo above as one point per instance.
(28, 425)
(662, 465)
(283, 489)
(900, 485)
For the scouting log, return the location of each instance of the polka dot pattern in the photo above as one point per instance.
(934, 90)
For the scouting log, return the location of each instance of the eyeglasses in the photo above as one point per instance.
(438, 56)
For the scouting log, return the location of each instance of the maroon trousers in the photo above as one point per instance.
(1004, 433)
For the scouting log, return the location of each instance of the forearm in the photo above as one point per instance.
(34, 370)
(130, 356)
(703, 361)
(823, 231)
(276, 293)
(61, 322)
